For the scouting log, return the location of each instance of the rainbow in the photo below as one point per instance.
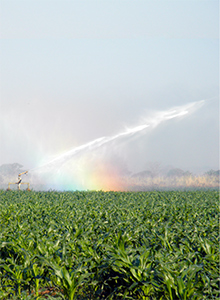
(85, 167)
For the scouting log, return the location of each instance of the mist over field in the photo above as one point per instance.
(95, 87)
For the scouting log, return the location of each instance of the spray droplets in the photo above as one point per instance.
(55, 166)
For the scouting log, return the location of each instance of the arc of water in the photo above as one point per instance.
(155, 121)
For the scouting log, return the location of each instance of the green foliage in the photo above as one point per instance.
(109, 245)
(213, 173)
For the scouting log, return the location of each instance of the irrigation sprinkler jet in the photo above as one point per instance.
(157, 119)
(19, 182)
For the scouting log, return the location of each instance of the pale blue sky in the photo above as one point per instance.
(73, 71)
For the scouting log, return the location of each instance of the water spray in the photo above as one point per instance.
(159, 117)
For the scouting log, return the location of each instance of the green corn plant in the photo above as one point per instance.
(70, 281)
(169, 284)
(15, 273)
(182, 284)
(37, 272)
(207, 246)
(136, 270)
(186, 283)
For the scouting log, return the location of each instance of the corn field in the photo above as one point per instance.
(109, 245)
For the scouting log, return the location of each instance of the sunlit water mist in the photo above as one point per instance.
(84, 167)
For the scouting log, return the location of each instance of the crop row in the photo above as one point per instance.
(109, 245)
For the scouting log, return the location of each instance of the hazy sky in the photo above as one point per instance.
(74, 71)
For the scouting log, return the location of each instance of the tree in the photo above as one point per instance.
(176, 172)
(213, 173)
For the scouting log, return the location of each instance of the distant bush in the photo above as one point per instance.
(178, 173)
(213, 173)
